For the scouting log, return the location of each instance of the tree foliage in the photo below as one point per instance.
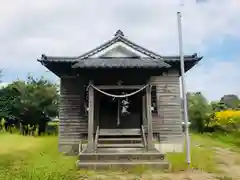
(198, 109)
(31, 102)
(231, 101)
(222, 114)
(218, 106)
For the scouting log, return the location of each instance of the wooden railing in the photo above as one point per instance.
(80, 146)
(144, 136)
(96, 139)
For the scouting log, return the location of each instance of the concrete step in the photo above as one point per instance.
(146, 156)
(135, 145)
(119, 140)
(122, 164)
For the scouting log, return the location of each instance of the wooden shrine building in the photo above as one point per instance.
(123, 99)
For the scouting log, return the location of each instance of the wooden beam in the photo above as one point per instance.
(90, 146)
(119, 86)
(149, 119)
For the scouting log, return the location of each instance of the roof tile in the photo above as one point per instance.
(121, 63)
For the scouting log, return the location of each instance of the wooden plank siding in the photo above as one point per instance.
(73, 125)
(167, 121)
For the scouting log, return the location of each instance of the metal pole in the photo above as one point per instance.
(183, 88)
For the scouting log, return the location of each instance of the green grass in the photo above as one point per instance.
(203, 153)
(33, 158)
(202, 156)
(36, 158)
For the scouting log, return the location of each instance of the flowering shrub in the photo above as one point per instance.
(228, 119)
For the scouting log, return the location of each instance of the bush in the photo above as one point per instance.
(229, 120)
(52, 128)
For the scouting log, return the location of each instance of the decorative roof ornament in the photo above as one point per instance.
(44, 57)
(119, 33)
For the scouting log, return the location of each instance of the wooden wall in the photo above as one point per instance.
(167, 121)
(72, 123)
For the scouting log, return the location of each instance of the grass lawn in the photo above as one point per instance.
(30, 158)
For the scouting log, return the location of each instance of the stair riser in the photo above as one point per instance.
(93, 166)
(103, 146)
(120, 132)
(119, 141)
(120, 135)
(87, 158)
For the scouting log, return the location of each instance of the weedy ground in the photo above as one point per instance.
(214, 157)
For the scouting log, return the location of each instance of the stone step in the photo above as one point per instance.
(122, 164)
(122, 150)
(136, 145)
(119, 140)
(121, 156)
(119, 132)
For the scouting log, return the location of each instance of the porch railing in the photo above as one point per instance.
(96, 139)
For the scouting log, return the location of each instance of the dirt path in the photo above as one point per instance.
(188, 175)
(159, 176)
(229, 162)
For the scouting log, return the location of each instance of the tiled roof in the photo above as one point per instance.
(121, 63)
(45, 58)
(193, 57)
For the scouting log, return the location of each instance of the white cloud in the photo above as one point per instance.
(61, 27)
(215, 79)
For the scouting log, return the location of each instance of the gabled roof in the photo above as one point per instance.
(139, 58)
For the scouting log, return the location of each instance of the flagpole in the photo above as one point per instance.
(183, 88)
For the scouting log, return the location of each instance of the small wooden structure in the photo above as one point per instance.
(119, 97)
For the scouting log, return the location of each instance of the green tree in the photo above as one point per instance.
(32, 101)
(218, 106)
(199, 110)
(231, 101)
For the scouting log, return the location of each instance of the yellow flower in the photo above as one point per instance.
(226, 117)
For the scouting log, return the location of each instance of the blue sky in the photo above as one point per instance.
(218, 73)
(62, 28)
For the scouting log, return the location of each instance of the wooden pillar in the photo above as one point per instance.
(144, 119)
(149, 119)
(90, 119)
(96, 110)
